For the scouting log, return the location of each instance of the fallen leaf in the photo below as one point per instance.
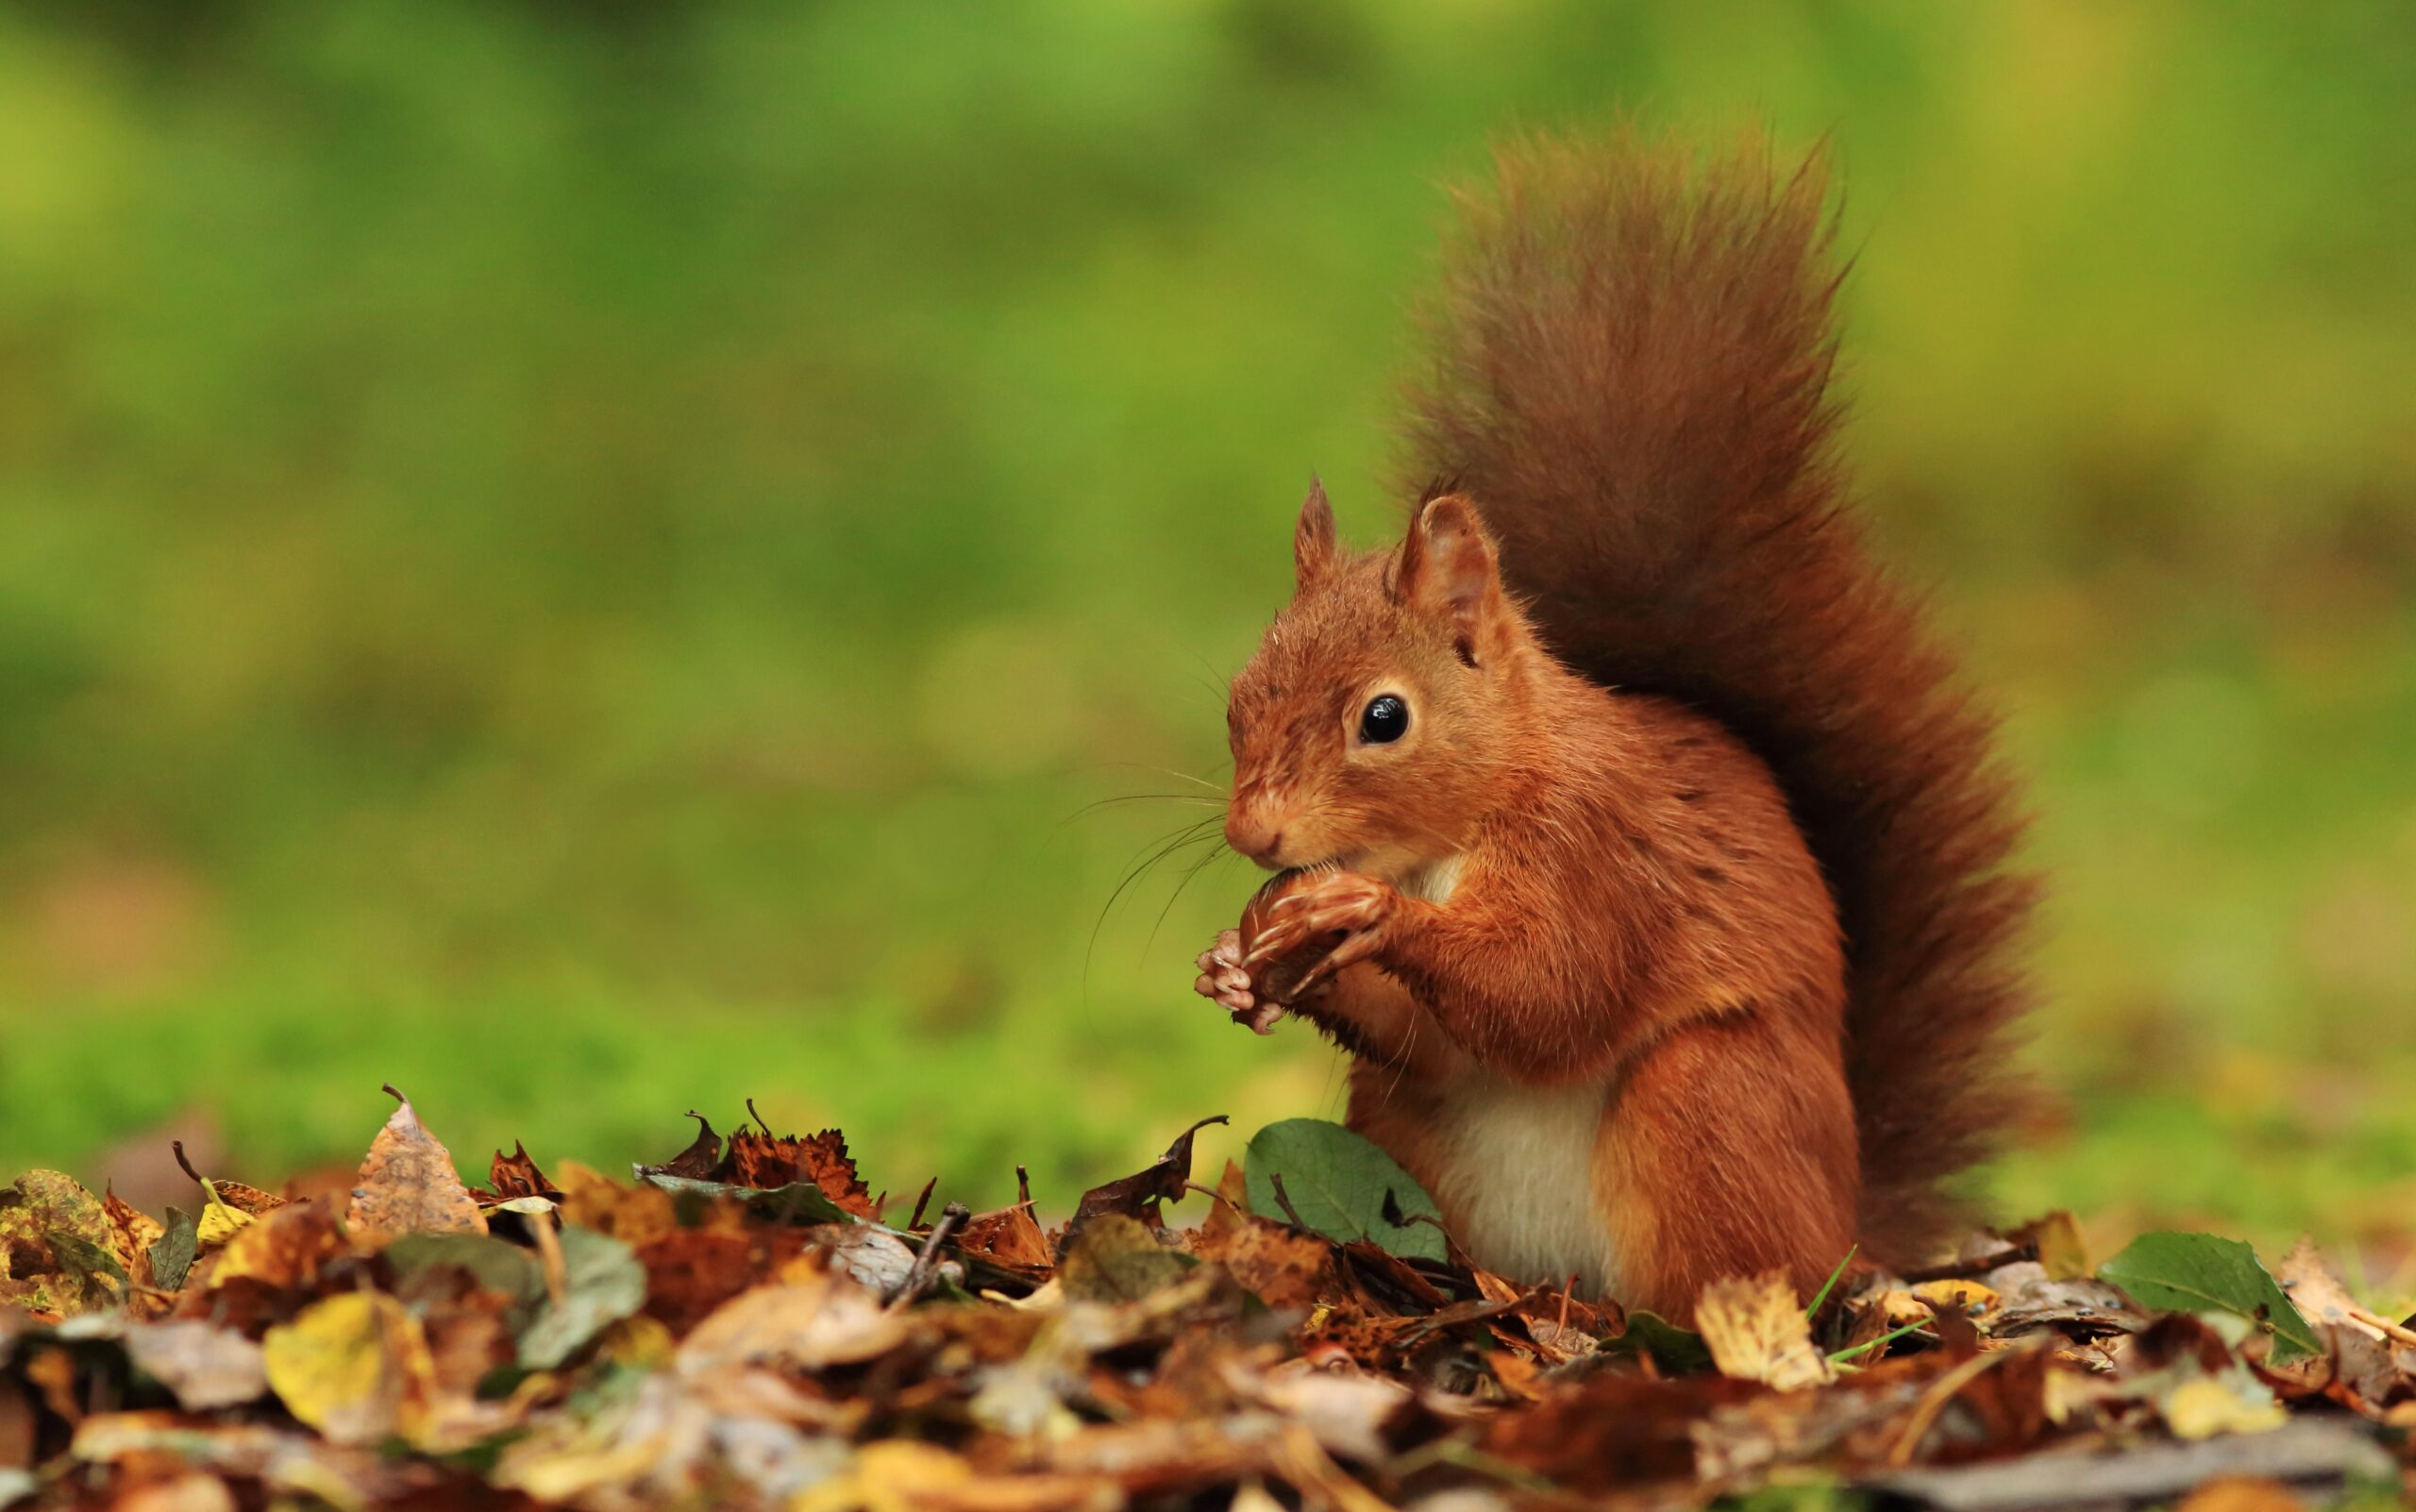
(1279, 1265)
(287, 1247)
(2233, 1402)
(797, 1203)
(409, 1185)
(219, 1220)
(2063, 1250)
(2199, 1272)
(354, 1366)
(1117, 1258)
(506, 1269)
(767, 1162)
(516, 1176)
(699, 1162)
(2318, 1294)
(1342, 1186)
(632, 1215)
(1756, 1331)
(171, 1255)
(52, 1232)
(807, 1323)
(1138, 1195)
(604, 1284)
(204, 1365)
(132, 1234)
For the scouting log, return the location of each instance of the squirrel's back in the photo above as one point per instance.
(1631, 356)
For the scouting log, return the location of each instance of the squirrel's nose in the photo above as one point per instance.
(1254, 835)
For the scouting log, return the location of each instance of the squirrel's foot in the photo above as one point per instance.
(1225, 981)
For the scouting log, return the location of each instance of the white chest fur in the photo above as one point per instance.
(1518, 1164)
(1517, 1177)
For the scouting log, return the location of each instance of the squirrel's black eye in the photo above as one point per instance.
(1386, 719)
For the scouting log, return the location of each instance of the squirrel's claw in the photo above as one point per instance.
(1343, 903)
(1354, 948)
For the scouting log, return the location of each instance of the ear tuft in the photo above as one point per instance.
(1448, 567)
(1313, 548)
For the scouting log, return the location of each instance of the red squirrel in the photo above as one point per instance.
(1633, 834)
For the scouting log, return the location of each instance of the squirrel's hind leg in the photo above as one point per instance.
(1727, 1148)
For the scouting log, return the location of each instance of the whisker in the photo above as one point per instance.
(1216, 853)
(1193, 799)
(1183, 839)
(1217, 788)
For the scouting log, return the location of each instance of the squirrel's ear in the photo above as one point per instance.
(1312, 538)
(1447, 567)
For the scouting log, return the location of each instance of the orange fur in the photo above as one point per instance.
(1672, 930)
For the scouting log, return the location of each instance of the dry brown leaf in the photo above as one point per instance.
(2063, 1250)
(1231, 1204)
(632, 1215)
(132, 1234)
(1756, 1331)
(1282, 1265)
(2319, 1294)
(203, 1364)
(285, 1248)
(807, 1323)
(409, 1185)
(516, 1176)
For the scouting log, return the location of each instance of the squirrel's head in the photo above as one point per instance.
(1365, 729)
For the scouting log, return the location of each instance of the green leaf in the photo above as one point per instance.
(1338, 1181)
(495, 1265)
(171, 1252)
(87, 1259)
(796, 1203)
(2199, 1272)
(1678, 1351)
(603, 1284)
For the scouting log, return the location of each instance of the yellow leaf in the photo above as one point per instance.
(2063, 1250)
(2208, 1406)
(354, 1366)
(1959, 1294)
(1756, 1331)
(218, 1222)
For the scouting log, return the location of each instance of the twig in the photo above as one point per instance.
(918, 1275)
(922, 1202)
(1450, 1246)
(2399, 1333)
(1944, 1390)
(1212, 1194)
(1023, 1187)
(549, 1256)
(1284, 1200)
(759, 1119)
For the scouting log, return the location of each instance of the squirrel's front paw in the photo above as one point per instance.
(1225, 981)
(1310, 932)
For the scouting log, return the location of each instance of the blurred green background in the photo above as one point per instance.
(587, 559)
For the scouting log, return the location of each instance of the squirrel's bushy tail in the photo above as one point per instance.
(1631, 356)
